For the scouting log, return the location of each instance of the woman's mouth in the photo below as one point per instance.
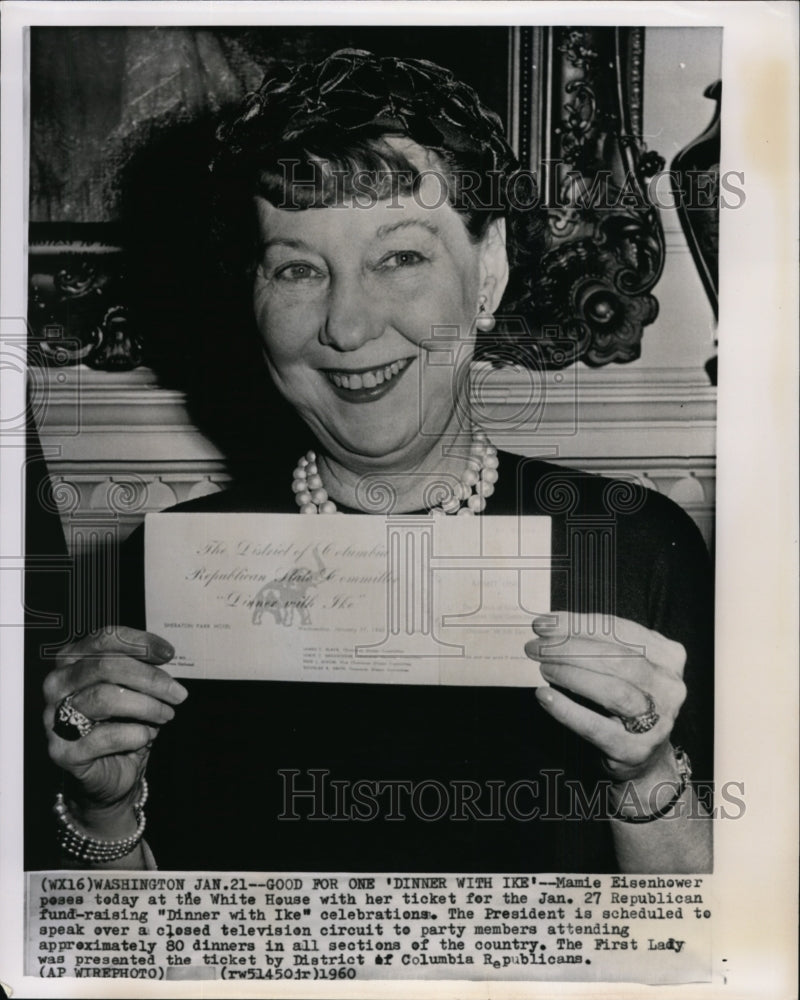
(367, 384)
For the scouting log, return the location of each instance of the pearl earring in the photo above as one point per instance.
(485, 321)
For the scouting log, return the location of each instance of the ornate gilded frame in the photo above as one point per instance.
(584, 86)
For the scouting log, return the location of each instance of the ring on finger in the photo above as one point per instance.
(70, 723)
(644, 721)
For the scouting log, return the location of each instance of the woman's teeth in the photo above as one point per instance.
(370, 379)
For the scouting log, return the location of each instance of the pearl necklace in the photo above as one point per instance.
(475, 485)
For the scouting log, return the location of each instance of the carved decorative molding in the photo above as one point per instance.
(576, 414)
(77, 303)
(88, 416)
(118, 446)
(112, 504)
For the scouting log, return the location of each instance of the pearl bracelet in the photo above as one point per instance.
(85, 848)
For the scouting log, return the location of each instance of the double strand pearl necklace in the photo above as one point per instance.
(468, 496)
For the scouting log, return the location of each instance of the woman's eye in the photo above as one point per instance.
(401, 258)
(298, 272)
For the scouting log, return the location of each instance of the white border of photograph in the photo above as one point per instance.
(755, 879)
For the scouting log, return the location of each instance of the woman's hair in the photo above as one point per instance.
(315, 134)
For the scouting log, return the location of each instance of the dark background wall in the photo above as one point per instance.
(98, 95)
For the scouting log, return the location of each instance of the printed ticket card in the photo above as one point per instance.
(356, 598)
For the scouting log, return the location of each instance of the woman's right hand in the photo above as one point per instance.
(115, 680)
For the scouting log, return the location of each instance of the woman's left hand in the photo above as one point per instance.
(616, 664)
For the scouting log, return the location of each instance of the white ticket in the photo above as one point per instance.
(348, 598)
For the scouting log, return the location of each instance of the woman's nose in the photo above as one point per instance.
(352, 317)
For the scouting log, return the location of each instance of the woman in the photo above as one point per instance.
(370, 202)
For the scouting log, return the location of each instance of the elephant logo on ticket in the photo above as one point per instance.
(289, 597)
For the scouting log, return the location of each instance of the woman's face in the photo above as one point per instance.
(367, 315)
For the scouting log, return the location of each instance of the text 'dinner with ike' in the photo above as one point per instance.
(649, 929)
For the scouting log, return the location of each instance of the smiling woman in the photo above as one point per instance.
(345, 302)
(369, 211)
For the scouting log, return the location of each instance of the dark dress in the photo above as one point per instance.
(220, 788)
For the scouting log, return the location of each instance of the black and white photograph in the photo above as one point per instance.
(376, 527)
